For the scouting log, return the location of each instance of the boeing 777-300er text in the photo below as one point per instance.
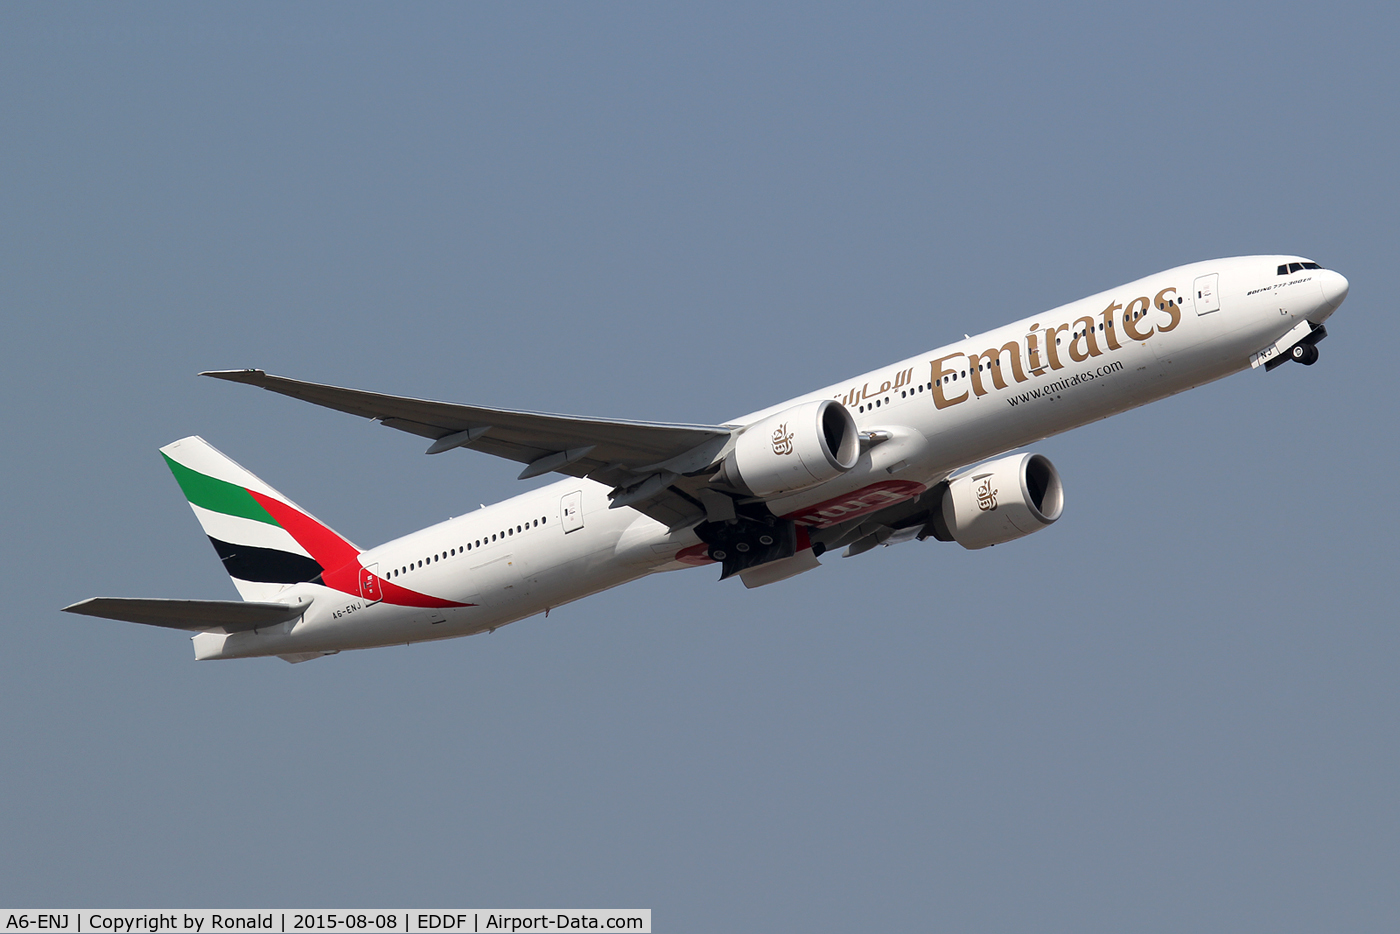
(872, 460)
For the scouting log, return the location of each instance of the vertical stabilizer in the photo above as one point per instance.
(265, 541)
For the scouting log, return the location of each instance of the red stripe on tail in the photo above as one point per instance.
(339, 560)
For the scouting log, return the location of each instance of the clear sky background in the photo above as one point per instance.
(1176, 709)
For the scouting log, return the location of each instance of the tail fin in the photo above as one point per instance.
(264, 539)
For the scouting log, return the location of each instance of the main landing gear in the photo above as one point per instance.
(748, 540)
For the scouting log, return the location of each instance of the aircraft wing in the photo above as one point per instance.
(645, 462)
(224, 616)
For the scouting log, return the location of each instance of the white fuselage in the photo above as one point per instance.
(945, 409)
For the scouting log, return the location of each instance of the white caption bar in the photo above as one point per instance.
(320, 921)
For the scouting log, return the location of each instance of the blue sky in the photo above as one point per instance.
(1175, 708)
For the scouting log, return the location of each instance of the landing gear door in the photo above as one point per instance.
(1205, 294)
(571, 511)
(369, 585)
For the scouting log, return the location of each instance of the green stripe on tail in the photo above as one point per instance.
(217, 495)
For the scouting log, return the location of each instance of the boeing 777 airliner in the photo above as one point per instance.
(877, 459)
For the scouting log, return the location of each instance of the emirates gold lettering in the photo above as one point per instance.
(1085, 336)
(991, 358)
(1033, 351)
(1084, 345)
(1169, 306)
(1136, 310)
(940, 397)
(1108, 335)
(1052, 345)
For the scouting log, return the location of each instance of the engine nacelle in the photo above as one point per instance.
(1000, 501)
(795, 449)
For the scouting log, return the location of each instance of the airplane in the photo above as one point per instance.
(878, 459)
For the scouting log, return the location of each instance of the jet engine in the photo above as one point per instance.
(795, 449)
(1000, 501)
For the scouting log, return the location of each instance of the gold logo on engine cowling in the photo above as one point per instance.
(782, 440)
(986, 496)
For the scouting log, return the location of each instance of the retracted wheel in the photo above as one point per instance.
(748, 541)
(1306, 354)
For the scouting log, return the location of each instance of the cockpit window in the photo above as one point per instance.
(1289, 268)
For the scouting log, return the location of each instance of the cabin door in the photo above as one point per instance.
(571, 511)
(1204, 294)
(369, 585)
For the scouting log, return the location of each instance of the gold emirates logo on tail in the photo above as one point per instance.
(782, 440)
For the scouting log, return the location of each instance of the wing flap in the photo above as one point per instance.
(221, 616)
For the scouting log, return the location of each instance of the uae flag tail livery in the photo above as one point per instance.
(264, 539)
(267, 542)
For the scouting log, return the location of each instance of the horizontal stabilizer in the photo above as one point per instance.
(225, 616)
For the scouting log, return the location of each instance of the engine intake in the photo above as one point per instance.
(1000, 501)
(795, 449)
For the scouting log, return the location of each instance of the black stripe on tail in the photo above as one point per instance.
(265, 565)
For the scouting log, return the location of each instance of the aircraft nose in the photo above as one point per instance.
(1334, 288)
